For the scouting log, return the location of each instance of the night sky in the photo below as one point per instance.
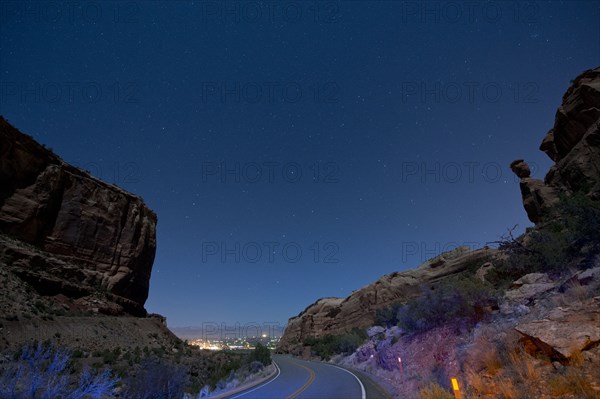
(295, 150)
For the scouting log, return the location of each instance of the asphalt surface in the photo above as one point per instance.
(300, 379)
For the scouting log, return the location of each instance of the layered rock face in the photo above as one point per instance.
(573, 144)
(336, 316)
(82, 235)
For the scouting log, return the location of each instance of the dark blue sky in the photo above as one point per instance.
(294, 150)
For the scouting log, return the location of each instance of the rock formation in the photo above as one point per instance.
(66, 232)
(565, 330)
(573, 144)
(337, 315)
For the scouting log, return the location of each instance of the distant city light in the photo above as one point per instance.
(239, 343)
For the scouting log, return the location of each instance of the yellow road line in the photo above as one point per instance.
(311, 379)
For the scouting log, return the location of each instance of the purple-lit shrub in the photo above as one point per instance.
(44, 372)
(456, 300)
(156, 379)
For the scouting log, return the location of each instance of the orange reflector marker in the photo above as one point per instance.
(457, 394)
(455, 384)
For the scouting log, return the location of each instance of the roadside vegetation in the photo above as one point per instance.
(44, 371)
(240, 368)
(50, 371)
(330, 345)
(464, 301)
(569, 239)
(499, 362)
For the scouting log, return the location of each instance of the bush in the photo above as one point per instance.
(261, 354)
(156, 380)
(388, 316)
(330, 345)
(43, 371)
(570, 234)
(220, 371)
(575, 382)
(455, 299)
(256, 366)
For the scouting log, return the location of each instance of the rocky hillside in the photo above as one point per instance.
(573, 143)
(520, 321)
(67, 233)
(336, 316)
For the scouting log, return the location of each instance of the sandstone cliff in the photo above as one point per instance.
(67, 233)
(573, 144)
(336, 315)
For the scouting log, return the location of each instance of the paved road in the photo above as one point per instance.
(299, 379)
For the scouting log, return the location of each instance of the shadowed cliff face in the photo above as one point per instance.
(573, 144)
(83, 235)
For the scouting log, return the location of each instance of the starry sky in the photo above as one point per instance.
(295, 150)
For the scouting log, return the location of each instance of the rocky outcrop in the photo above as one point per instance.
(71, 233)
(567, 331)
(573, 144)
(336, 315)
(529, 286)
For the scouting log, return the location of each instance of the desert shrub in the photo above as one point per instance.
(110, 357)
(43, 371)
(523, 366)
(581, 217)
(434, 391)
(570, 234)
(387, 316)
(330, 345)
(156, 379)
(77, 354)
(222, 370)
(256, 367)
(453, 300)
(573, 381)
(261, 354)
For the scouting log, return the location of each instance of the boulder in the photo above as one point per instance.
(520, 168)
(528, 287)
(374, 331)
(585, 277)
(565, 331)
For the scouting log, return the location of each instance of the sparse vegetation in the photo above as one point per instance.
(570, 237)
(261, 354)
(574, 382)
(156, 378)
(44, 371)
(506, 370)
(330, 345)
(455, 299)
(221, 371)
(388, 316)
(434, 391)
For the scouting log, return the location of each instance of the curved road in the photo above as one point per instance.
(300, 379)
